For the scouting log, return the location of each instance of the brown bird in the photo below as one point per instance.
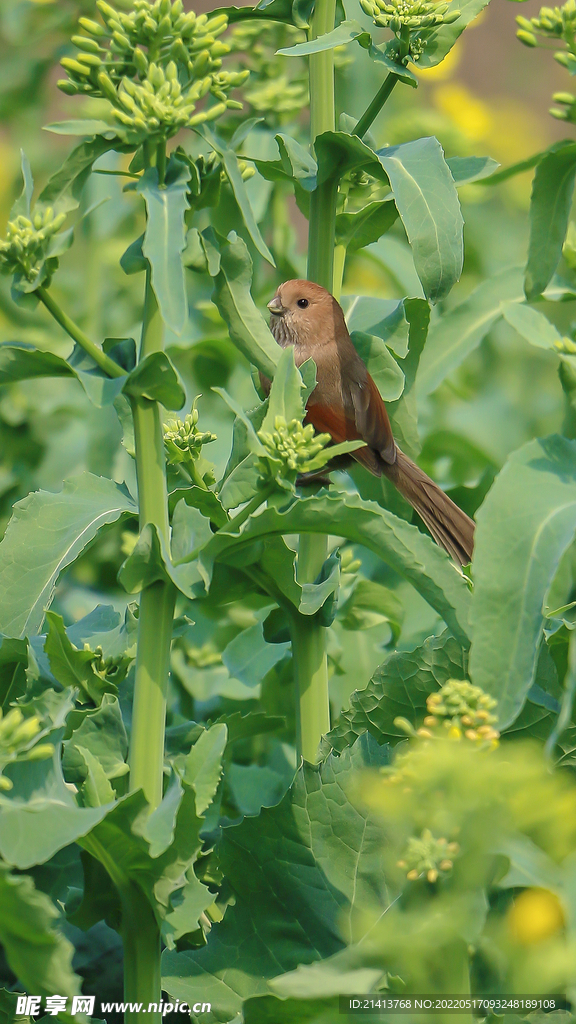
(347, 405)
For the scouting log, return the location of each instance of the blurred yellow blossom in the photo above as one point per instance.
(535, 915)
(469, 113)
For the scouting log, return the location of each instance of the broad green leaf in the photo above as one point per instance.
(371, 604)
(254, 786)
(39, 815)
(190, 531)
(102, 732)
(531, 325)
(95, 790)
(402, 546)
(73, 667)
(272, 1010)
(133, 260)
(19, 361)
(297, 162)
(398, 689)
(247, 327)
(386, 54)
(206, 502)
(454, 336)
(46, 533)
(242, 483)
(286, 394)
(36, 951)
(155, 377)
(249, 658)
(384, 318)
(443, 38)
(298, 870)
(338, 153)
(355, 230)
(524, 527)
(150, 562)
(381, 364)
(165, 240)
(550, 205)
(427, 201)
(75, 170)
(467, 169)
(345, 33)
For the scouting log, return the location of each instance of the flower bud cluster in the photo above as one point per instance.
(290, 448)
(26, 246)
(428, 856)
(183, 440)
(463, 710)
(567, 110)
(153, 64)
(17, 735)
(271, 92)
(408, 17)
(554, 23)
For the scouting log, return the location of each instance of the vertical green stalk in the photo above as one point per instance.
(308, 636)
(142, 979)
(322, 119)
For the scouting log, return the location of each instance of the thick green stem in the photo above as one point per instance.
(141, 939)
(322, 119)
(139, 928)
(376, 105)
(308, 635)
(77, 335)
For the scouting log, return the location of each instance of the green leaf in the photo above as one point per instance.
(156, 378)
(23, 204)
(381, 364)
(297, 162)
(345, 33)
(404, 412)
(398, 689)
(371, 604)
(299, 870)
(339, 153)
(402, 546)
(355, 230)
(387, 55)
(524, 527)
(203, 765)
(206, 502)
(75, 170)
(89, 126)
(190, 531)
(133, 260)
(383, 317)
(246, 325)
(550, 205)
(287, 397)
(150, 562)
(442, 39)
(427, 201)
(532, 325)
(37, 952)
(46, 533)
(165, 240)
(249, 658)
(70, 666)
(19, 361)
(230, 163)
(454, 336)
(100, 731)
(467, 169)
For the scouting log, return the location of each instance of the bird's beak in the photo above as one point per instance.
(276, 307)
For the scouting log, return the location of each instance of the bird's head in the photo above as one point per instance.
(303, 313)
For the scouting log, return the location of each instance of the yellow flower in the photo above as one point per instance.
(470, 114)
(534, 916)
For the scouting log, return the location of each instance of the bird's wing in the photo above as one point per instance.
(341, 428)
(371, 419)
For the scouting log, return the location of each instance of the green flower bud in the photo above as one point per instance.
(92, 27)
(74, 66)
(66, 86)
(91, 60)
(40, 752)
(105, 83)
(527, 38)
(450, 18)
(87, 44)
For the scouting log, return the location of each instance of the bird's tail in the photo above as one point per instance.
(448, 524)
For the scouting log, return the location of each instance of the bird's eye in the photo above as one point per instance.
(303, 303)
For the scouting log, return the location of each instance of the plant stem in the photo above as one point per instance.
(140, 932)
(157, 601)
(308, 635)
(77, 335)
(374, 108)
(141, 940)
(309, 654)
(322, 119)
